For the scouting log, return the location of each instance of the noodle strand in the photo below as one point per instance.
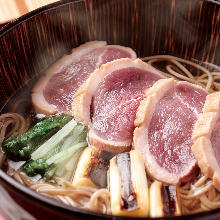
(177, 61)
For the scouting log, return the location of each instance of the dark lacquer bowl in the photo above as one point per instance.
(183, 28)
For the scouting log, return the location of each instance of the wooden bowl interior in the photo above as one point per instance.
(187, 29)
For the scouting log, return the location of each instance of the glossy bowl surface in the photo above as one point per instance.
(187, 29)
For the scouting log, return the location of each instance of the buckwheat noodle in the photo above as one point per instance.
(17, 125)
(196, 196)
(89, 198)
(176, 68)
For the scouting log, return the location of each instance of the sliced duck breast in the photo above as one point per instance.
(206, 137)
(164, 125)
(54, 92)
(107, 102)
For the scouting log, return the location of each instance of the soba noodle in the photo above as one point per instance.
(197, 196)
(89, 198)
(17, 124)
(175, 68)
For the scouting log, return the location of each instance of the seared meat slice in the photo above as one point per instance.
(54, 92)
(109, 99)
(206, 137)
(165, 121)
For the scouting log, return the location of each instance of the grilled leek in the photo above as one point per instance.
(164, 200)
(92, 168)
(128, 185)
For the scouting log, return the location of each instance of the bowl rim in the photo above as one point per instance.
(46, 201)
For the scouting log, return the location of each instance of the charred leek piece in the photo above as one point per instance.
(164, 200)
(92, 168)
(128, 185)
